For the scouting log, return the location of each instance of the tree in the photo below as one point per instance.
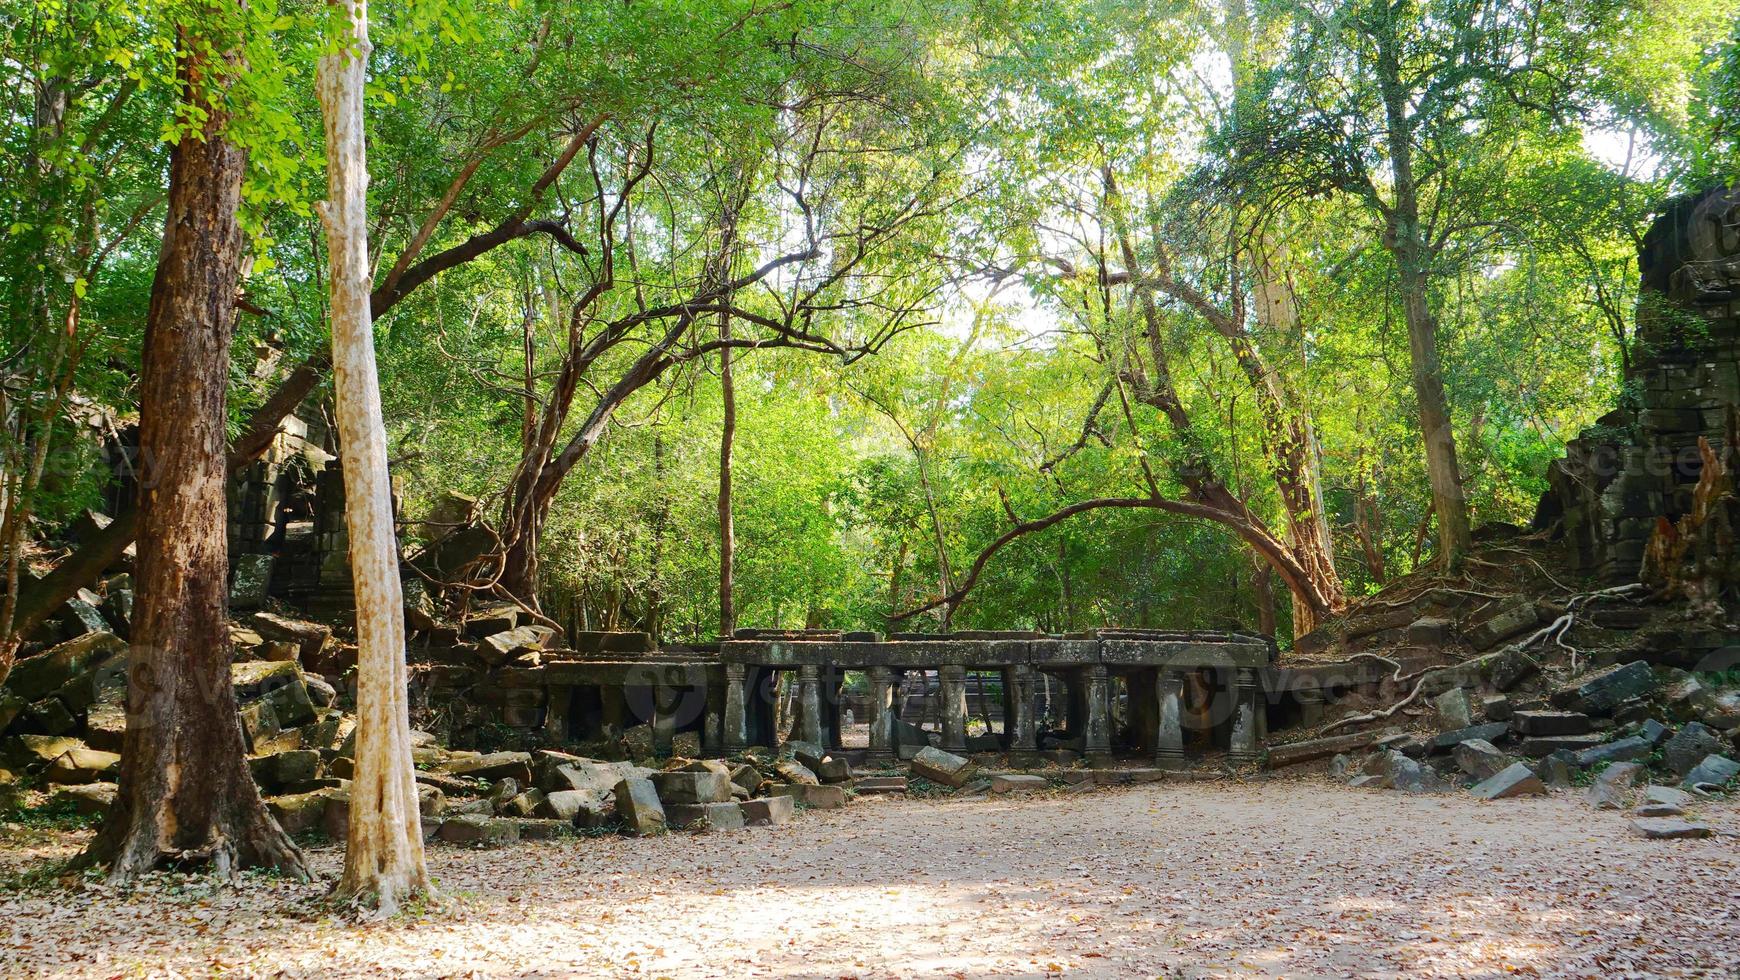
(383, 859)
(185, 792)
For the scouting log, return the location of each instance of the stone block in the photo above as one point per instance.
(494, 766)
(1653, 732)
(816, 797)
(637, 803)
(692, 787)
(1628, 749)
(50, 717)
(1481, 759)
(1669, 796)
(1612, 787)
(834, 770)
(705, 816)
(509, 645)
(1690, 746)
(1715, 771)
(1014, 782)
(92, 800)
(311, 639)
(1294, 753)
(795, 772)
(1669, 828)
(1550, 722)
(299, 813)
(1515, 780)
(769, 811)
(1496, 707)
(1600, 693)
(808, 753)
(477, 830)
(275, 682)
(1404, 774)
(746, 778)
(1501, 623)
(1545, 745)
(941, 767)
(1454, 708)
(1446, 741)
(81, 765)
(250, 581)
(36, 677)
(880, 785)
(523, 804)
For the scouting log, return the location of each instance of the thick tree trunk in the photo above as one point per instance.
(185, 794)
(383, 861)
(727, 526)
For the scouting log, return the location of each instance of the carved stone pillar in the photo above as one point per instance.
(1023, 737)
(1097, 733)
(736, 721)
(664, 722)
(1244, 729)
(713, 722)
(1169, 720)
(556, 713)
(881, 717)
(1311, 703)
(953, 692)
(810, 704)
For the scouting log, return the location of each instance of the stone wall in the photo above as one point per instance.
(1640, 461)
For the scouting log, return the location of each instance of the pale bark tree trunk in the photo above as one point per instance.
(383, 861)
(185, 795)
(727, 524)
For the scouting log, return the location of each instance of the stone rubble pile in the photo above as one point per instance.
(1656, 741)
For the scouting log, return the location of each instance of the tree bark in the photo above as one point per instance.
(383, 860)
(185, 794)
(727, 526)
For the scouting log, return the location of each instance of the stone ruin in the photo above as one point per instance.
(1639, 463)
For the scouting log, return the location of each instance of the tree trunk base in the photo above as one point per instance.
(231, 848)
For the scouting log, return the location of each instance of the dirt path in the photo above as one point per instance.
(1291, 879)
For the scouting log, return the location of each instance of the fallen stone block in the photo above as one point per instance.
(91, 800)
(1600, 693)
(1658, 810)
(1408, 776)
(705, 816)
(496, 765)
(1612, 787)
(1516, 780)
(1496, 707)
(1690, 746)
(1653, 732)
(746, 778)
(1668, 795)
(1294, 753)
(795, 772)
(880, 785)
(299, 813)
(311, 639)
(768, 811)
(692, 787)
(509, 645)
(809, 754)
(476, 830)
(36, 677)
(1669, 828)
(1545, 745)
(536, 828)
(834, 770)
(1481, 759)
(1628, 749)
(1501, 622)
(1454, 709)
(816, 797)
(275, 682)
(1447, 741)
(1715, 772)
(1556, 771)
(81, 765)
(941, 767)
(1550, 722)
(523, 805)
(1014, 782)
(637, 803)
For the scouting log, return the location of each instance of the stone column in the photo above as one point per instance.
(713, 723)
(736, 721)
(1169, 724)
(881, 716)
(810, 704)
(1096, 742)
(556, 713)
(664, 721)
(1310, 705)
(1244, 728)
(953, 692)
(1023, 737)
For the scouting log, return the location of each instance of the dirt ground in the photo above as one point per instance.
(1289, 879)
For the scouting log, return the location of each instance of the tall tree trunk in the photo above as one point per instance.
(383, 860)
(1409, 245)
(727, 525)
(185, 793)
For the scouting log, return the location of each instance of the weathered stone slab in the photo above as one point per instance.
(496, 765)
(817, 797)
(1600, 693)
(1612, 787)
(275, 682)
(1669, 828)
(1454, 709)
(692, 787)
(299, 813)
(36, 677)
(941, 767)
(1014, 782)
(1690, 746)
(81, 765)
(795, 772)
(768, 811)
(1715, 770)
(1545, 745)
(880, 785)
(1628, 749)
(1501, 623)
(1294, 753)
(1550, 723)
(637, 803)
(708, 816)
(1516, 780)
(1446, 741)
(834, 770)
(566, 804)
(477, 830)
(1481, 759)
